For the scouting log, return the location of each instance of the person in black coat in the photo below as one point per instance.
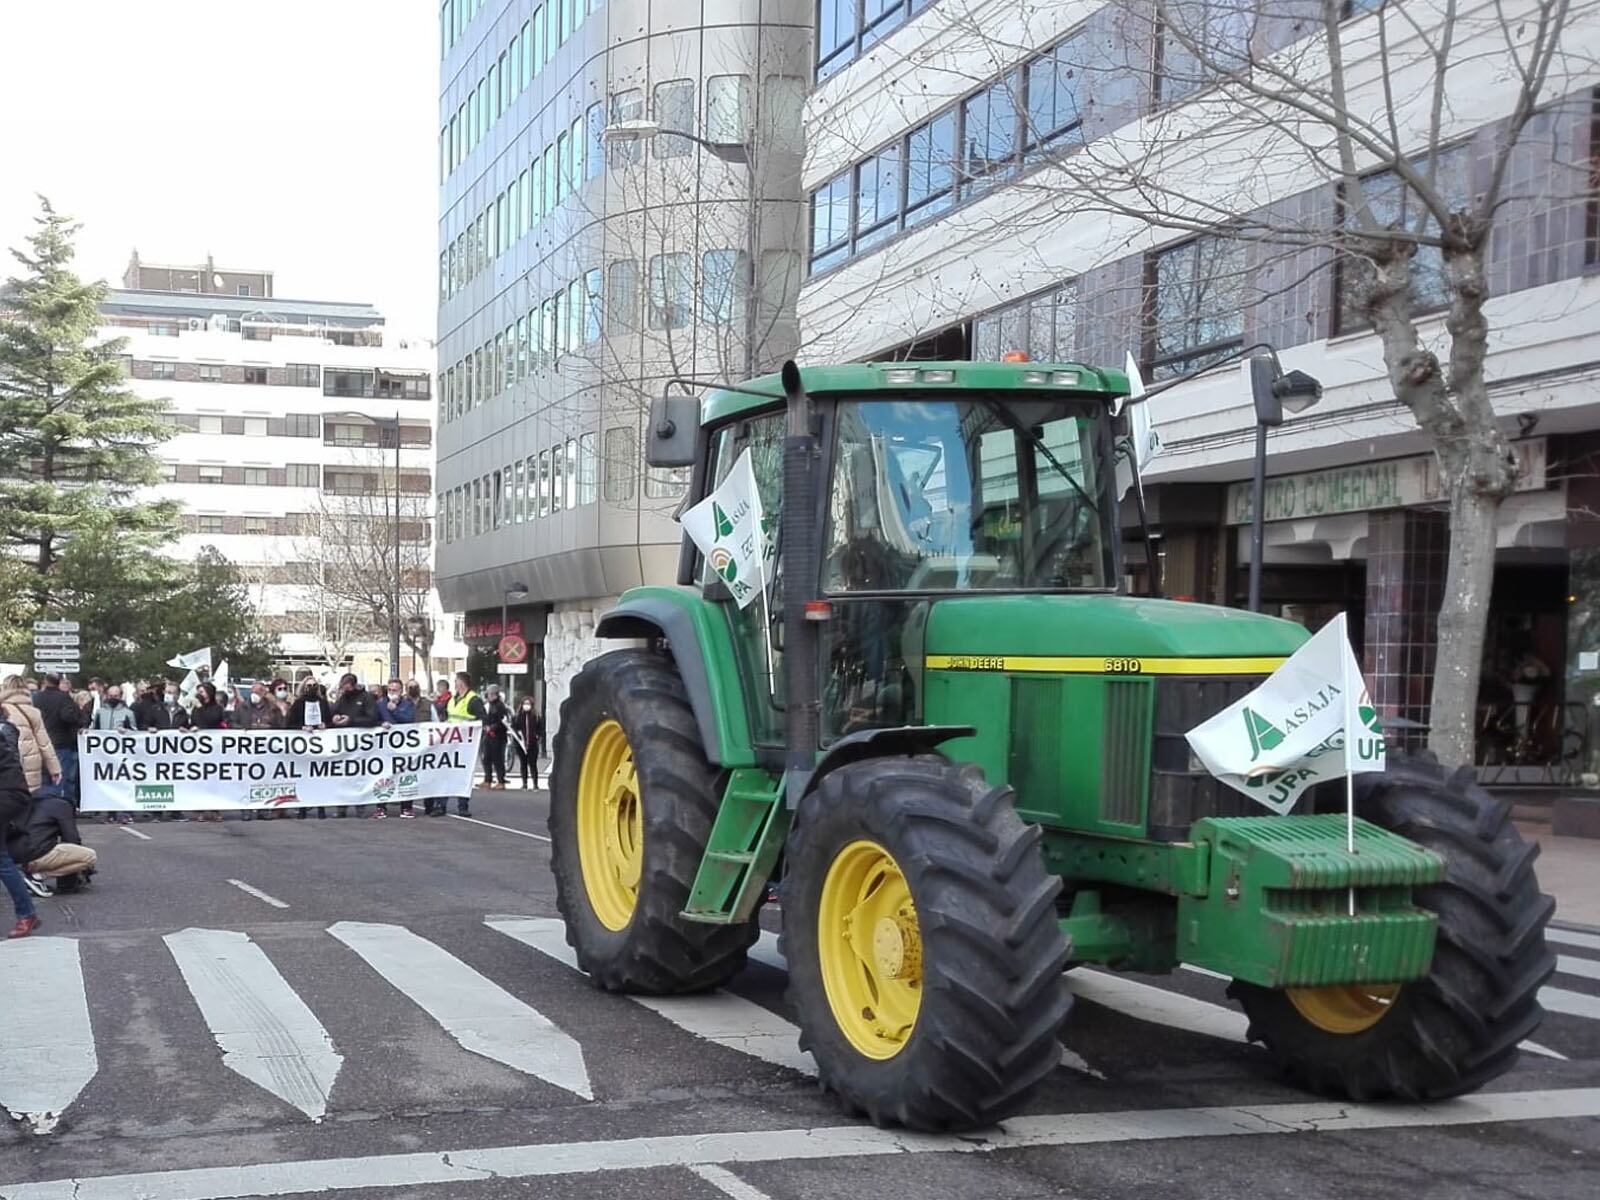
(353, 708)
(62, 720)
(147, 710)
(208, 713)
(49, 844)
(495, 716)
(311, 693)
(529, 728)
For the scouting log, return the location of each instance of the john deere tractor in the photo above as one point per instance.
(958, 749)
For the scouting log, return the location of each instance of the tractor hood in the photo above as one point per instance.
(1102, 627)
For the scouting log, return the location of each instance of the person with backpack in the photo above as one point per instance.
(15, 805)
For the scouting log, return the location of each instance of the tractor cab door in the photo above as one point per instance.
(758, 627)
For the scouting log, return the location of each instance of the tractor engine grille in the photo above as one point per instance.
(1181, 791)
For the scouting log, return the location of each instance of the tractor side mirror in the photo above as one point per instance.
(672, 437)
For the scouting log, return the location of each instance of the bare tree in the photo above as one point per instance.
(1418, 130)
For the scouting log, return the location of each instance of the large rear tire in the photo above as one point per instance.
(925, 959)
(632, 801)
(1456, 1029)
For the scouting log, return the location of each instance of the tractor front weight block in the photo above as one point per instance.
(1276, 910)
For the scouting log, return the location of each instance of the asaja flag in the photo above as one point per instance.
(733, 533)
(1312, 720)
(191, 660)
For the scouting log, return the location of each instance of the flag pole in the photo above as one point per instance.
(1349, 766)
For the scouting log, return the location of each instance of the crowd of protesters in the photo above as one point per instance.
(40, 847)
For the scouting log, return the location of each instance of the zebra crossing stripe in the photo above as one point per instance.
(1570, 937)
(47, 1054)
(719, 1017)
(1566, 964)
(463, 1167)
(480, 1015)
(265, 1031)
(1573, 1004)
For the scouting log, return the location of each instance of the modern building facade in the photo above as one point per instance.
(619, 205)
(935, 131)
(284, 458)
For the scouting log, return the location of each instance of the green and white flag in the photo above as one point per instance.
(1311, 721)
(733, 533)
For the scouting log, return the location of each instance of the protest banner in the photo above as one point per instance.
(206, 769)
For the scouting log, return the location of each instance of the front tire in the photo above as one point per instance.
(632, 801)
(1458, 1028)
(925, 960)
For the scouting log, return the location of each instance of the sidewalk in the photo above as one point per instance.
(1569, 870)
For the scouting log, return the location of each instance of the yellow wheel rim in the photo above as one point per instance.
(870, 948)
(1349, 1009)
(610, 826)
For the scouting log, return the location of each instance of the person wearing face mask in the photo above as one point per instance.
(147, 707)
(528, 728)
(465, 705)
(308, 712)
(495, 729)
(395, 708)
(258, 711)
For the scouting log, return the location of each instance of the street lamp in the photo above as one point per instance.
(394, 587)
(1274, 393)
(621, 133)
(519, 593)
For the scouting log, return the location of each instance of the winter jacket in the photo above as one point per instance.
(14, 799)
(109, 717)
(266, 715)
(146, 714)
(526, 724)
(396, 712)
(62, 717)
(49, 822)
(495, 714)
(209, 716)
(33, 740)
(358, 707)
(297, 711)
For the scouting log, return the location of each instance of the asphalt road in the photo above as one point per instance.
(292, 1007)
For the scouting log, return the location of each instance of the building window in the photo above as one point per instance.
(594, 157)
(1196, 310)
(207, 523)
(1043, 326)
(593, 306)
(622, 296)
(670, 285)
(1395, 206)
(626, 106)
(255, 426)
(302, 425)
(210, 473)
(1197, 42)
(557, 477)
(158, 329)
(878, 198)
(163, 370)
(847, 28)
(302, 375)
(169, 472)
(341, 381)
(257, 525)
(781, 117)
(244, 289)
(930, 169)
(339, 433)
(830, 223)
(1055, 83)
(621, 465)
(587, 469)
(544, 483)
(666, 483)
(208, 424)
(989, 123)
(674, 109)
(210, 372)
(728, 107)
(723, 285)
(302, 475)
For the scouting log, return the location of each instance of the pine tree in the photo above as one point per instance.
(76, 443)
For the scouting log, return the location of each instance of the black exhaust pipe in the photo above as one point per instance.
(802, 568)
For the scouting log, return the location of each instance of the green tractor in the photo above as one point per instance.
(960, 754)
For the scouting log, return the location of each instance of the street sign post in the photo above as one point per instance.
(57, 627)
(65, 667)
(514, 668)
(513, 649)
(55, 652)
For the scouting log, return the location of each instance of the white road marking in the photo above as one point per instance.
(1544, 1051)
(1144, 1002)
(1574, 1004)
(1568, 937)
(47, 1054)
(726, 1182)
(538, 837)
(257, 893)
(719, 1017)
(557, 1159)
(129, 829)
(265, 1031)
(1207, 972)
(1581, 967)
(765, 952)
(483, 1017)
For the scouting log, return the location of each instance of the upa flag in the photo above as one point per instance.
(192, 660)
(1311, 721)
(733, 533)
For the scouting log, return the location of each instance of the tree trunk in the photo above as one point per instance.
(1463, 619)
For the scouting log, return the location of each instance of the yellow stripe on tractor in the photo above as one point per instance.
(1083, 664)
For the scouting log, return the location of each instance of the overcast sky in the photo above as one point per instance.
(293, 135)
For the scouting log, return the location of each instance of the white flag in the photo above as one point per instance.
(187, 687)
(733, 533)
(191, 660)
(220, 676)
(1291, 732)
(1143, 443)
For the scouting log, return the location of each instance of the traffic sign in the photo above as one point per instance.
(55, 639)
(59, 668)
(55, 652)
(514, 668)
(56, 627)
(513, 649)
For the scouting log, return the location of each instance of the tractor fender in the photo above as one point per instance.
(896, 741)
(701, 644)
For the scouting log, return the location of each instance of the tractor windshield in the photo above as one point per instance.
(937, 493)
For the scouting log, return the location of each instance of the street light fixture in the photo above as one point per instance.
(1274, 393)
(394, 587)
(519, 593)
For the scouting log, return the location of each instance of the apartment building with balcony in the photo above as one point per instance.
(938, 218)
(284, 456)
(619, 205)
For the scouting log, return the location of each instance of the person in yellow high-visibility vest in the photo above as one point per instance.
(465, 705)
